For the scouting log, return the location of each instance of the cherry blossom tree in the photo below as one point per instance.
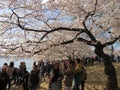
(33, 26)
(69, 51)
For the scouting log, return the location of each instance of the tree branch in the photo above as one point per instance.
(90, 14)
(111, 42)
(91, 43)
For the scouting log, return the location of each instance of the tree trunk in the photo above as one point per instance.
(109, 70)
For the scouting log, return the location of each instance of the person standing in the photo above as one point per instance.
(56, 78)
(80, 75)
(68, 76)
(25, 81)
(10, 73)
(2, 83)
(5, 76)
(83, 77)
(34, 78)
(22, 68)
(77, 73)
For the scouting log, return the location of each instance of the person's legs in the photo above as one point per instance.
(76, 87)
(31, 87)
(35, 87)
(82, 84)
(9, 84)
(59, 84)
(54, 86)
(67, 88)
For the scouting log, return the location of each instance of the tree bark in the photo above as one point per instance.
(109, 69)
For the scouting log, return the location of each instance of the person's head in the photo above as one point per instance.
(35, 67)
(11, 64)
(69, 63)
(24, 64)
(5, 64)
(4, 68)
(77, 61)
(56, 65)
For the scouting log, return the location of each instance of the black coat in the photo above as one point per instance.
(34, 77)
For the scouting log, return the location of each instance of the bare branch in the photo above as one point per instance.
(111, 42)
(90, 14)
(63, 29)
(7, 30)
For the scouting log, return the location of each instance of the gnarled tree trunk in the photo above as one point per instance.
(109, 69)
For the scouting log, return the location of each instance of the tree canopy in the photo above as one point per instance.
(33, 26)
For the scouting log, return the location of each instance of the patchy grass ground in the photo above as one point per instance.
(95, 81)
(96, 77)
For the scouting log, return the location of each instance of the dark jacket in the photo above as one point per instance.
(5, 77)
(56, 74)
(2, 84)
(34, 77)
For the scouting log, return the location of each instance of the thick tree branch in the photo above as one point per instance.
(91, 43)
(64, 29)
(79, 39)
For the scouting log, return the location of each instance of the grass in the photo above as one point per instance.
(96, 77)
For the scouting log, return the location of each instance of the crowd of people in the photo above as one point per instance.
(71, 74)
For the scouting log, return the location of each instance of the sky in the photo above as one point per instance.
(44, 1)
